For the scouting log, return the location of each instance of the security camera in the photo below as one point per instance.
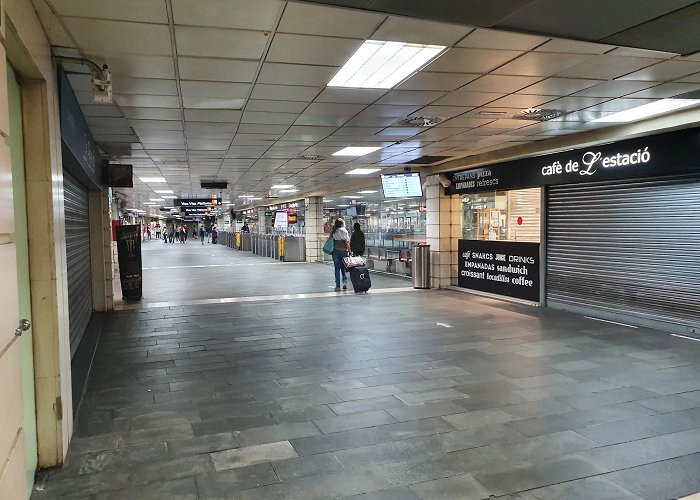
(444, 181)
(102, 85)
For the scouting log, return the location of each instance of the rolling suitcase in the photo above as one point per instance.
(360, 279)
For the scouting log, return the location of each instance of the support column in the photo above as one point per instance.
(443, 230)
(313, 226)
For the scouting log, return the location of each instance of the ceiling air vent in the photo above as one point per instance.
(418, 121)
(213, 184)
(427, 160)
(538, 114)
(310, 157)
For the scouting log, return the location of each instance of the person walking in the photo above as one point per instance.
(202, 232)
(194, 232)
(357, 240)
(341, 247)
(172, 234)
(157, 231)
(183, 233)
(214, 234)
(208, 230)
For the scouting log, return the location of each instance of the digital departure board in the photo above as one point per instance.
(403, 185)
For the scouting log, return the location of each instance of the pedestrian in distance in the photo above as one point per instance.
(341, 249)
(214, 234)
(202, 232)
(357, 240)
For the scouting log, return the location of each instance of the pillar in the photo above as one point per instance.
(313, 226)
(101, 250)
(443, 231)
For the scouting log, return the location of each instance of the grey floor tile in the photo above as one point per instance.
(598, 488)
(457, 487)
(364, 405)
(390, 494)
(177, 489)
(275, 433)
(223, 485)
(478, 418)
(417, 412)
(341, 440)
(251, 455)
(354, 421)
(313, 465)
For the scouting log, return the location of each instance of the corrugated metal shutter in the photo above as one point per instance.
(524, 203)
(78, 258)
(628, 249)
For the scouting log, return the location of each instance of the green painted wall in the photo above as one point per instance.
(20, 239)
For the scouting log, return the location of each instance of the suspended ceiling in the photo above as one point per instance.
(235, 90)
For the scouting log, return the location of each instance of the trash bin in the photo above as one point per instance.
(421, 266)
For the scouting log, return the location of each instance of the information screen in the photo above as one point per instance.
(402, 185)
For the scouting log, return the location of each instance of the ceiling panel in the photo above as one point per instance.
(100, 110)
(296, 74)
(316, 50)
(666, 90)
(285, 92)
(213, 102)
(215, 89)
(144, 11)
(425, 80)
(109, 37)
(350, 96)
(442, 111)
(606, 67)
(220, 70)
(209, 144)
(614, 88)
(156, 124)
(207, 127)
(257, 128)
(664, 71)
(499, 83)
(265, 117)
(482, 38)
(462, 98)
(403, 29)
(574, 47)
(212, 115)
(215, 42)
(242, 14)
(147, 101)
(280, 106)
(458, 60)
(410, 97)
(559, 86)
(541, 64)
(327, 21)
(136, 65)
(522, 101)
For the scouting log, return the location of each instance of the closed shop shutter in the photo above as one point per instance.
(630, 250)
(78, 258)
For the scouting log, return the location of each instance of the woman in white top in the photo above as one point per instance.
(341, 249)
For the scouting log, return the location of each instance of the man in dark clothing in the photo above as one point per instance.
(357, 240)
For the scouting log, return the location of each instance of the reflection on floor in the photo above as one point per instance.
(402, 395)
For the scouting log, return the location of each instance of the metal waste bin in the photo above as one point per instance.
(421, 266)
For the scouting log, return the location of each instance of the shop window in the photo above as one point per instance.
(502, 215)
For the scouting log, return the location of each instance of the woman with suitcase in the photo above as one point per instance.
(341, 249)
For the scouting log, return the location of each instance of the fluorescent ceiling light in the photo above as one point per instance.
(367, 192)
(378, 64)
(149, 180)
(362, 171)
(327, 201)
(282, 186)
(647, 110)
(255, 199)
(157, 200)
(343, 206)
(246, 196)
(289, 191)
(149, 203)
(356, 151)
(168, 196)
(352, 197)
(164, 191)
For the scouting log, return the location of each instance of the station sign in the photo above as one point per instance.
(193, 202)
(665, 154)
(500, 267)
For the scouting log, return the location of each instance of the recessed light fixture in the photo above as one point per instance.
(352, 197)
(378, 64)
(343, 206)
(282, 186)
(246, 196)
(255, 199)
(149, 203)
(149, 180)
(362, 171)
(356, 151)
(289, 190)
(157, 200)
(164, 191)
(168, 196)
(647, 110)
(367, 192)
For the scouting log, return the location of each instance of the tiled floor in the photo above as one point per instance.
(369, 397)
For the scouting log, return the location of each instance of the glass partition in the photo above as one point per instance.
(502, 215)
(391, 227)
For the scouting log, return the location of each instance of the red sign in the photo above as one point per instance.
(520, 221)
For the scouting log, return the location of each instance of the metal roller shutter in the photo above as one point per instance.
(628, 249)
(78, 258)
